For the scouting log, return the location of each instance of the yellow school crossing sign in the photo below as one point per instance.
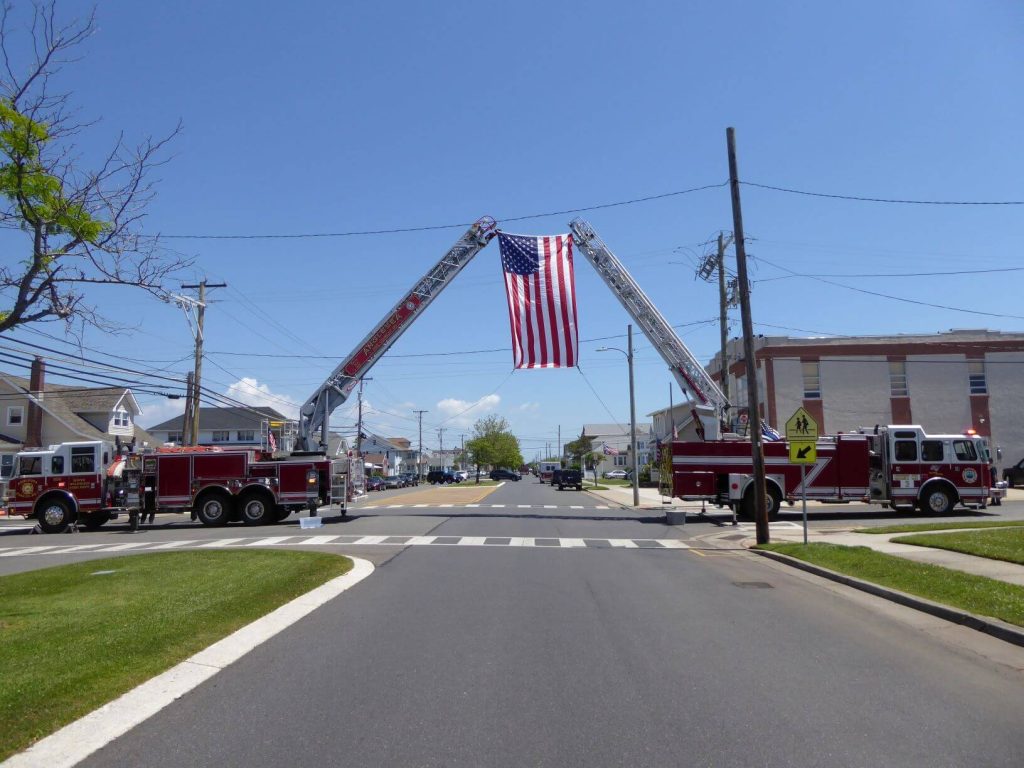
(802, 435)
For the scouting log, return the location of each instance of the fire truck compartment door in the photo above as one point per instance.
(174, 480)
(695, 483)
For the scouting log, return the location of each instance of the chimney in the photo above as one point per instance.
(34, 424)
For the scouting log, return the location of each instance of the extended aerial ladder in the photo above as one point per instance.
(315, 412)
(687, 370)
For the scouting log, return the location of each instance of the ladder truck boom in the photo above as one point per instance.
(316, 411)
(688, 372)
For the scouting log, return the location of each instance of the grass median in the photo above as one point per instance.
(1001, 544)
(75, 638)
(975, 594)
(914, 527)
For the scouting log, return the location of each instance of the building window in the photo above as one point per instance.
(898, 378)
(174, 437)
(15, 415)
(246, 435)
(812, 380)
(620, 461)
(121, 418)
(221, 435)
(976, 377)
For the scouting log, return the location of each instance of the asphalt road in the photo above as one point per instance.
(596, 653)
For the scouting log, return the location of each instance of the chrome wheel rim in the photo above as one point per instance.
(254, 510)
(213, 509)
(937, 502)
(54, 514)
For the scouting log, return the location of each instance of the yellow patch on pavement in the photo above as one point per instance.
(440, 494)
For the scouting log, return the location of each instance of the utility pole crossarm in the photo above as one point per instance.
(343, 379)
(688, 371)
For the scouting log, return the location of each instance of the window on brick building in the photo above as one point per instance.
(812, 380)
(976, 377)
(898, 378)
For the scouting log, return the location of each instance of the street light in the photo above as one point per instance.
(632, 410)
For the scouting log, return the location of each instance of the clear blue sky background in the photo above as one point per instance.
(312, 117)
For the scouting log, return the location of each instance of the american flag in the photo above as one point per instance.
(541, 299)
(608, 450)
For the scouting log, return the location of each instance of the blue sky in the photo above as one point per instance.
(320, 117)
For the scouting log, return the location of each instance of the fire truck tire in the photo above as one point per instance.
(937, 500)
(55, 515)
(282, 513)
(773, 501)
(94, 520)
(214, 508)
(257, 508)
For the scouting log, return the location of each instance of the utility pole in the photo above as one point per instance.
(193, 420)
(186, 421)
(359, 421)
(632, 419)
(723, 318)
(462, 460)
(440, 442)
(559, 443)
(753, 413)
(419, 463)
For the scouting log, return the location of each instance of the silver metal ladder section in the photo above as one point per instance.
(688, 371)
(316, 411)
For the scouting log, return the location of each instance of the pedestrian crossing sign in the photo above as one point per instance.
(801, 426)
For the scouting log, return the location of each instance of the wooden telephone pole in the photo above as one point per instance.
(190, 429)
(754, 415)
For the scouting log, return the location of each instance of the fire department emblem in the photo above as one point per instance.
(410, 305)
(970, 475)
(27, 487)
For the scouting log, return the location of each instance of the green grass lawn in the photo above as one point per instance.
(975, 594)
(1001, 544)
(913, 527)
(72, 641)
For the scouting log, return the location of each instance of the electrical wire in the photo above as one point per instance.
(897, 201)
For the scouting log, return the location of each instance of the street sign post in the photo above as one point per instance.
(802, 436)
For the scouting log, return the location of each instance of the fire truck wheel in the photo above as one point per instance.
(55, 515)
(936, 500)
(773, 500)
(257, 509)
(214, 509)
(282, 513)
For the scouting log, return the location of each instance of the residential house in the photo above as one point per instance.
(235, 427)
(36, 414)
(397, 452)
(612, 442)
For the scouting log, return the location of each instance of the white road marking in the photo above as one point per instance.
(418, 540)
(270, 541)
(575, 507)
(221, 543)
(600, 507)
(73, 743)
(420, 505)
(395, 506)
(28, 551)
(76, 548)
(446, 505)
(316, 540)
(550, 506)
(625, 543)
(472, 505)
(123, 547)
(673, 544)
(498, 506)
(173, 544)
(524, 506)
(370, 540)
(472, 541)
(569, 543)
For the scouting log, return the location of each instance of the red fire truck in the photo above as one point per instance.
(897, 466)
(92, 483)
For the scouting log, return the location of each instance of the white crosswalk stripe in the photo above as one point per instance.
(337, 540)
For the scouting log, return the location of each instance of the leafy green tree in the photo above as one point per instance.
(81, 225)
(493, 444)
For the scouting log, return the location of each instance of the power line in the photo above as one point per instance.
(894, 274)
(898, 201)
(461, 225)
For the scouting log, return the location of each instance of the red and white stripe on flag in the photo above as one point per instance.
(541, 294)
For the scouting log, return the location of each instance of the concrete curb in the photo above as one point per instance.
(79, 739)
(994, 627)
(605, 499)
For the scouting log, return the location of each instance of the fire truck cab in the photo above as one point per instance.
(67, 483)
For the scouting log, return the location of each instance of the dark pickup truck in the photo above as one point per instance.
(569, 477)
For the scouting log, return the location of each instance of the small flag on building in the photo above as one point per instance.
(541, 299)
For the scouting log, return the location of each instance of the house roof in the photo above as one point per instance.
(400, 442)
(57, 401)
(223, 418)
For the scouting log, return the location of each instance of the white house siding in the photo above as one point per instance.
(1006, 403)
(855, 393)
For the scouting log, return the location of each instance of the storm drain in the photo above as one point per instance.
(752, 585)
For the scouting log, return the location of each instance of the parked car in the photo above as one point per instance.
(375, 483)
(394, 481)
(616, 474)
(461, 474)
(442, 477)
(1014, 476)
(411, 478)
(570, 477)
(504, 474)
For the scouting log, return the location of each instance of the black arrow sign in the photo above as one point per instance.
(802, 452)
